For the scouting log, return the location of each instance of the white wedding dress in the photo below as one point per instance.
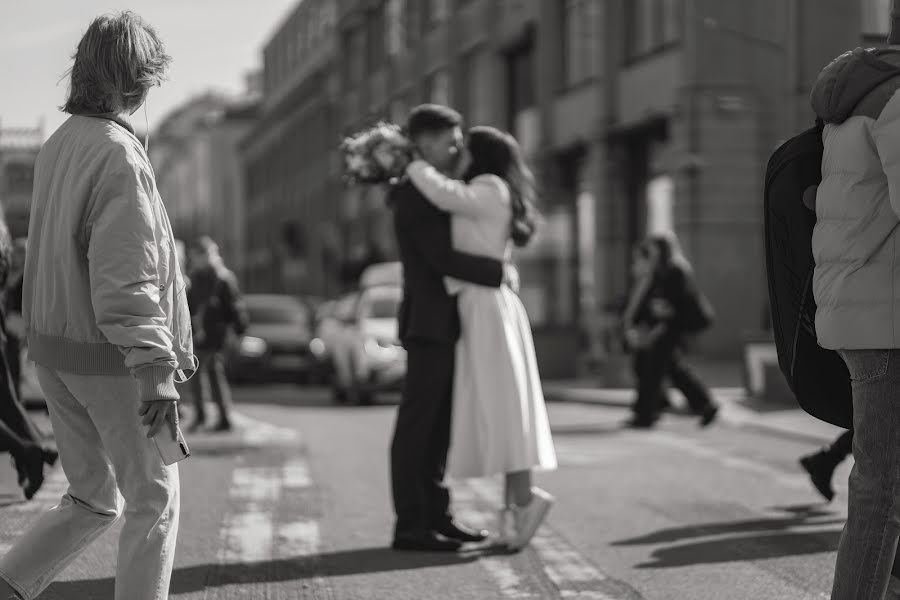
(499, 420)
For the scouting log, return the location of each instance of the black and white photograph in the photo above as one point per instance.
(450, 300)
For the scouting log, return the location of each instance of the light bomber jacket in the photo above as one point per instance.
(103, 292)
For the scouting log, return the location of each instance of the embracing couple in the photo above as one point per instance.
(472, 403)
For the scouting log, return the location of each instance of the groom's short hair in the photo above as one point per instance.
(431, 118)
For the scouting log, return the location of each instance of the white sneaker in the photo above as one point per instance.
(529, 518)
(504, 532)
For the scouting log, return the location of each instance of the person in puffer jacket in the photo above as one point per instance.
(107, 323)
(856, 284)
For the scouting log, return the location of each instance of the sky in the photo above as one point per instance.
(213, 44)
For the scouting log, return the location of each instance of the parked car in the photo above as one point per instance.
(276, 344)
(367, 356)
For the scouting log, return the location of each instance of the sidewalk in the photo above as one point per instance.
(737, 409)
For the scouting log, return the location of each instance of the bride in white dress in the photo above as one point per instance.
(499, 418)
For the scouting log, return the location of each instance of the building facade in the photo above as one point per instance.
(293, 182)
(637, 116)
(19, 148)
(199, 173)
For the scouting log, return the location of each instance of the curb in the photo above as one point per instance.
(732, 412)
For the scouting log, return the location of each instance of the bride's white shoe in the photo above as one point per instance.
(504, 531)
(529, 518)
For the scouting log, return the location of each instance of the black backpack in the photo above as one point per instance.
(817, 376)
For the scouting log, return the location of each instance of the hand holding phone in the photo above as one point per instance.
(161, 419)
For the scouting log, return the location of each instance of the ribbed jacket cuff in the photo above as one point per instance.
(157, 383)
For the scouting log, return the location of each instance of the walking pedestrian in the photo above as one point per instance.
(429, 326)
(216, 309)
(18, 434)
(821, 465)
(665, 308)
(107, 323)
(499, 423)
(856, 249)
(13, 304)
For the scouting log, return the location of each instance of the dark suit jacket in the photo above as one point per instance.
(426, 251)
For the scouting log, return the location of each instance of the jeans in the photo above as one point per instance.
(104, 450)
(212, 368)
(868, 544)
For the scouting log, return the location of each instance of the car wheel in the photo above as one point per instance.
(338, 393)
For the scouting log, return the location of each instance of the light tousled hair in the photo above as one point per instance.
(119, 58)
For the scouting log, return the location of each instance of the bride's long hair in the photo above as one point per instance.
(497, 153)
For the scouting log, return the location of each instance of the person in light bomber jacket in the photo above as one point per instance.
(107, 323)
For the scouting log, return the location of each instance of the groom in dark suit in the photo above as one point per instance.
(429, 328)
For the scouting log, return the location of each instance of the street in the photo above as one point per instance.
(295, 504)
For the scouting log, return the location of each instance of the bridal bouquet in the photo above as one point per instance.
(376, 155)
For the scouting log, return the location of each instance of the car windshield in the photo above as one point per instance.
(276, 312)
(384, 307)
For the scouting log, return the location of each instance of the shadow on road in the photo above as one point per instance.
(588, 429)
(332, 564)
(11, 499)
(744, 548)
(770, 538)
(674, 534)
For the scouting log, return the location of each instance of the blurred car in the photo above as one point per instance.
(276, 344)
(367, 356)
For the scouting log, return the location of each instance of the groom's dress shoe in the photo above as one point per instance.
(425, 541)
(457, 531)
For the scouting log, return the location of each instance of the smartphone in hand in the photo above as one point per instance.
(171, 450)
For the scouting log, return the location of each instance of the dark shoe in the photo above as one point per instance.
(20, 471)
(425, 541)
(709, 415)
(223, 426)
(640, 423)
(50, 456)
(457, 531)
(32, 461)
(820, 467)
(665, 404)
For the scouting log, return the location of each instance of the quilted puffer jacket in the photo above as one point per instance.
(856, 241)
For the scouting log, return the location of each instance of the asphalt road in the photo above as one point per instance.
(295, 504)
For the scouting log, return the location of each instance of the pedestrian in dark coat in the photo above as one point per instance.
(665, 310)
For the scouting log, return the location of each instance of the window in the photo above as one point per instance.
(266, 309)
(398, 110)
(412, 21)
(876, 17)
(381, 306)
(581, 41)
(438, 11)
(478, 87)
(355, 61)
(376, 39)
(520, 78)
(439, 87)
(395, 28)
(651, 25)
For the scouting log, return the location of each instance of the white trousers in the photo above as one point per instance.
(104, 450)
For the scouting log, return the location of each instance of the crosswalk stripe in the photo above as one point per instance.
(572, 574)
